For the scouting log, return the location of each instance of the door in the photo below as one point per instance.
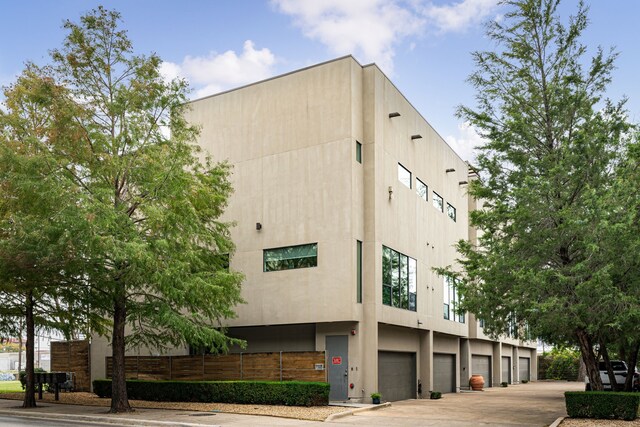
(481, 365)
(396, 375)
(337, 347)
(524, 368)
(506, 369)
(444, 373)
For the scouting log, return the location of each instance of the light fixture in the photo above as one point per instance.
(450, 170)
(390, 192)
(258, 226)
(463, 182)
(419, 322)
(394, 114)
(417, 136)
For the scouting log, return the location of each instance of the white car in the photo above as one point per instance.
(620, 370)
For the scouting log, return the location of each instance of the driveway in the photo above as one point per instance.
(531, 404)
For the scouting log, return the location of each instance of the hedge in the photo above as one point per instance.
(602, 404)
(291, 393)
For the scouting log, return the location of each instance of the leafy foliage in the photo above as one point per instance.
(564, 365)
(291, 393)
(602, 405)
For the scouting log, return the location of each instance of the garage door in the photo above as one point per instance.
(525, 368)
(481, 365)
(506, 369)
(396, 375)
(444, 373)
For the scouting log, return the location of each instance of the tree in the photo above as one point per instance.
(552, 146)
(39, 284)
(154, 248)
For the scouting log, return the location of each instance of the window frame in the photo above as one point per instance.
(282, 248)
(451, 208)
(435, 197)
(402, 168)
(358, 152)
(359, 271)
(424, 197)
(399, 278)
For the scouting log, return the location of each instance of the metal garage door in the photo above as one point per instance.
(506, 369)
(481, 365)
(396, 375)
(444, 373)
(524, 368)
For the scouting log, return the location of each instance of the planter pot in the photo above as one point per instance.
(476, 382)
(375, 400)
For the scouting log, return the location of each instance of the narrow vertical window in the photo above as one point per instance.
(358, 152)
(359, 267)
(421, 189)
(438, 202)
(404, 176)
(399, 284)
(451, 212)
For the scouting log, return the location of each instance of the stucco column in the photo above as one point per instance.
(515, 362)
(465, 363)
(426, 362)
(497, 364)
(534, 365)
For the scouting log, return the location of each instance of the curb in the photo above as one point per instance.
(557, 422)
(100, 419)
(339, 415)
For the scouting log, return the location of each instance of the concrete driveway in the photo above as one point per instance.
(531, 404)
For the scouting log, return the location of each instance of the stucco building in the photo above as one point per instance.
(345, 200)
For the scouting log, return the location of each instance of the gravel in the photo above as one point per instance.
(314, 413)
(585, 422)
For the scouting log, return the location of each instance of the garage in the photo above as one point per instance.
(396, 375)
(481, 365)
(524, 368)
(444, 373)
(506, 369)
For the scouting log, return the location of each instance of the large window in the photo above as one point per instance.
(301, 256)
(421, 189)
(438, 202)
(359, 269)
(404, 176)
(452, 301)
(358, 152)
(399, 279)
(451, 212)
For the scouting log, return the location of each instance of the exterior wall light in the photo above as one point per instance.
(390, 192)
(258, 226)
(394, 114)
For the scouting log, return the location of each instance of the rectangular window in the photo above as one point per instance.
(399, 280)
(451, 212)
(358, 152)
(452, 300)
(301, 256)
(437, 202)
(481, 323)
(359, 269)
(421, 189)
(404, 176)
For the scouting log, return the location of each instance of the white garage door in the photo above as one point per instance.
(506, 369)
(444, 373)
(481, 365)
(396, 375)
(525, 368)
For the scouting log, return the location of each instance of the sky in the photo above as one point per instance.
(423, 46)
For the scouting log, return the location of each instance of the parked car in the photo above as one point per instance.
(620, 371)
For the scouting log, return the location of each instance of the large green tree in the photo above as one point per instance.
(552, 146)
(147, 201)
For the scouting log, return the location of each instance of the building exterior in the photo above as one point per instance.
(345, 200)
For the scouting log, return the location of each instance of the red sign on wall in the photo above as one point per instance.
(336, 360)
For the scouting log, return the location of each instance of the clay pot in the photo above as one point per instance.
(476, 382)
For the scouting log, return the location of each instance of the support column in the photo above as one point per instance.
(534, 365)
(426, 362)
(465, 363)
(497, 364)
(515, 362)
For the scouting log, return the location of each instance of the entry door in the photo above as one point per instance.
(506, 369)
(338, 366)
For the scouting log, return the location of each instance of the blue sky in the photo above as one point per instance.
(422, 45)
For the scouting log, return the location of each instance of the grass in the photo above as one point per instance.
(10, 386)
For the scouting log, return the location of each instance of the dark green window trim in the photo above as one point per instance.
(359, 269)
(290, 257)
(399, 280)
(358, 152)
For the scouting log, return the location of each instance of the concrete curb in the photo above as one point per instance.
(339, 415)
(557, 422)
(99, 419)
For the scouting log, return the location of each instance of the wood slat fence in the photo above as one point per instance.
(281, 366)
(72, 356)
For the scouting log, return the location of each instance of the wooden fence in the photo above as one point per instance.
(72, 356)
(282, 366)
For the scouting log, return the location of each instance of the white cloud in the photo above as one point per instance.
(217, 72)
(369, 29)
(465, 142)
(459, 16)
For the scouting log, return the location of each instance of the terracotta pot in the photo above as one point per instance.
(476, 382)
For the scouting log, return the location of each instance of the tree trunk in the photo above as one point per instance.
(590, 361)
(607, 364)
(20, 349)
(119, 399)
(582, 371)
(632, 360)
(30, 388)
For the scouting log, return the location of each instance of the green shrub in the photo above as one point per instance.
(602, 404)
(563, 365)
(435, 395)
(22, 376)
(290, 393)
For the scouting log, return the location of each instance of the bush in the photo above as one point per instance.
(290, 393)
(563, 364)
(602, 404)
(435, 395)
